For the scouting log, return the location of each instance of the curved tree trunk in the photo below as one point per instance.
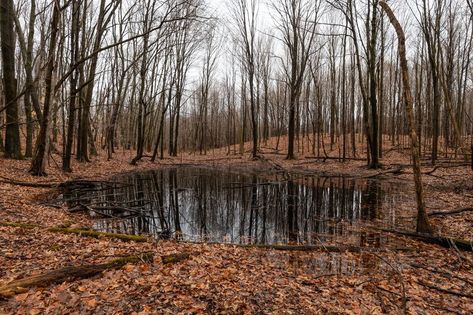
(423, 225)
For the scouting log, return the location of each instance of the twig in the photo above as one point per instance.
(452, 292)
(455, 211)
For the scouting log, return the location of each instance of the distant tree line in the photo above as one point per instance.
(169, 76)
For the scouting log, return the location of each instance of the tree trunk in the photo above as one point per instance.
(66, 159)
(373, 85)
(423, 225)
(37, 164)
(12, 135)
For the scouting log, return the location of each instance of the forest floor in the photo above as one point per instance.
(427, 279)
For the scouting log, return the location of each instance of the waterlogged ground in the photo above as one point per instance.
(224, 206)
(230, 279)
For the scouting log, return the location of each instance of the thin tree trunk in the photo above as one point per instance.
(423, 225)
(37, 164)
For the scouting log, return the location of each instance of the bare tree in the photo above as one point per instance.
(105, 15)
(297, 22)
(423, 225)
(12, 136)
(207, 73)
(31, 96)
(245, 16)
(149, 12)
(37, 164)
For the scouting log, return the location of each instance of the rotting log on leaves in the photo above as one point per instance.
(444, 241)
(313, 248)
(80, 232)
(19, 225)
(96, 234)
(451, 212)
(69, 273)
(10, 181)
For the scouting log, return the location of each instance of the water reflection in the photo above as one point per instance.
(199, 204)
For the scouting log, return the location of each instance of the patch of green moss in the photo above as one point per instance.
(54, 248)
(18, 225)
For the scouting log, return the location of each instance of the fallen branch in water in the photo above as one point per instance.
(309, 248)
(327, 248)
(69, 274)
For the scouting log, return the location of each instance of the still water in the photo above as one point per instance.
(200, 204)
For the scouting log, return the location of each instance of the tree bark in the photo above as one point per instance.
(69, 274)
(66, 159)
(12, 135)
(37, 164)
(423, 224)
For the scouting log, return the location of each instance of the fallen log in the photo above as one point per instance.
(440, 240)
(443, 273)
(27, 226)
(448, 291)
(324, 158)
(395, 171)
(10, 181)
(96, 234)
(309, 248)
(326, 248)
(69, 273)
(81, 232)
(455, 211)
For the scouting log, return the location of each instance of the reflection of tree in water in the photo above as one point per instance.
(371, 201)
(200, 204)
(174, 201)
(292, 211)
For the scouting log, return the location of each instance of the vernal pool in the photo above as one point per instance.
(201, 204)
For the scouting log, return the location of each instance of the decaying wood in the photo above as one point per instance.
(324, 158)
(80, 232)
(309, 248)
(391, 171)
(10, 181)
(19, 225)
(326, 248)
(455, 211)
(443, 241)
(443, 273)
(70, 184)
(90, 233)
(434, 287)
(445, 166)
(69, 273)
